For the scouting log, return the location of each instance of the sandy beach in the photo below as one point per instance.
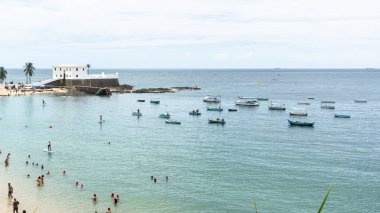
(13, 92)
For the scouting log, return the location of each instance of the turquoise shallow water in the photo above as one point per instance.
(211, 168)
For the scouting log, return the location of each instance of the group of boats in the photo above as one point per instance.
(252, 101)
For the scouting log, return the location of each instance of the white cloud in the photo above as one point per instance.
(52, 30)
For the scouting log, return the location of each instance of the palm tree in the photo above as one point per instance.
(88, 68)
(3, 74)
(29, 71)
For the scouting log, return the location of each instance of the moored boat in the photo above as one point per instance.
(195, 113)
(216, 121)
(140, 100)
(303, 103)
(342, 116)
(232, 110)
(212, 99)
(243, 101)
(325, 106)
(154, 101)
(298, 112)
(360, 101)
(169, 121)
(300, 123)
(262, 99)
(276, 106)
(218, 109)
(137, 113)
(327, 102)
(164, 115)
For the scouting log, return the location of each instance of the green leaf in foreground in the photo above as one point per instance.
(324, 200)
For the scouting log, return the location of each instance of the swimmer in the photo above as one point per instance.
(155, 180)
(28, 156)
(81, 186)
(115, 200)
(48, 173)
(26, 162)
(167, 179)
(64, 172)
(112, 195)
(94, 197)
(151, 177)
(108, 210)
(28, 176)
(33, 163)
(76, 184)
(42, 166)
(118, 198)
(36, 164)
(49, 146)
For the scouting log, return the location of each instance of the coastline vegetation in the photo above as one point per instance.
(29, 71)
(3, 74)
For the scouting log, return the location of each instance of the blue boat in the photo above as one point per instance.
(195, 113)
(153, 101)
(217, 121)
(342, 116)
(218, 109)
(300, 123)
(166, 115)
(232, 110)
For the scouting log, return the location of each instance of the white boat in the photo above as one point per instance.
(298, 111)
(276, 106)
(247, 101)
(325, 106)
(211, 99)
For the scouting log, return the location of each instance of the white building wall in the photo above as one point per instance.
(71, 72)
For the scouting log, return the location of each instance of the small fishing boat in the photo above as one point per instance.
(137, 113)
(164, 115)
(310, 98)
(216, 121)
(169, 121)
(244, 101)
(218, 109)
(154, 101)
(325, 106)
(262, 99)
(298, 112)
(276, 106)
(140, 100)
(303, 103)
(300, 123)
(360, 101)
(212, 99)
(195, 113)
(232, 110)
(327, 102)
(258, 99)
(342, 116)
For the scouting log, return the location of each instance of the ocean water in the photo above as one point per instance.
(211, 168)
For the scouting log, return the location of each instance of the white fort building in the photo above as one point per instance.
(78, 72)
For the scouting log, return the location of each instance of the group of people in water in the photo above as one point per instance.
(154, 179)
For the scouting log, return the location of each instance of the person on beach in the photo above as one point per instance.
(38, 181)
(49, 146)
(94, 197)
(15, 206)
(10, 190)
(108, 210)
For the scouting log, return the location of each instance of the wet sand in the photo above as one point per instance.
(6, 92)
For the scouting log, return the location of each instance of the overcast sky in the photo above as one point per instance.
(191, 34)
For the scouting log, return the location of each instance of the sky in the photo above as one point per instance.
(191, 34)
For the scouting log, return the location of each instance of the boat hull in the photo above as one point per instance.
(195, 113)
(342, 116)
(216, 122)
(300, 123)
(137, 113)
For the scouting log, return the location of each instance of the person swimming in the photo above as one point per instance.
(112, 195)
(64, 172)
(42, 166)
(167, 178)
(108, 210)
(94, 197)
(49, 146)
(76, 184)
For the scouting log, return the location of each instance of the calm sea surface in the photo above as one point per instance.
(211, 168)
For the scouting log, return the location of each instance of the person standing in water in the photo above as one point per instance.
(15, 206)
(49, 146)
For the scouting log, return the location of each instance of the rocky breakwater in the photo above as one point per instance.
(163, 90)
